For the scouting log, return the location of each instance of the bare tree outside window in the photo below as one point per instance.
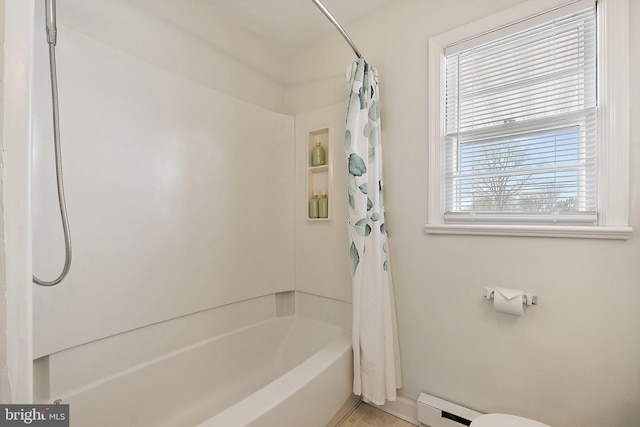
(516, 176)
(502, 185)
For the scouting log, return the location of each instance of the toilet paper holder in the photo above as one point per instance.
(527, 299)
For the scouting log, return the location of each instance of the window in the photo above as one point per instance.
(520, 139)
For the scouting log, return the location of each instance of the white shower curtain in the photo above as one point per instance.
(375, 339)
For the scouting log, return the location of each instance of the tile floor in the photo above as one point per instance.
(368, 416)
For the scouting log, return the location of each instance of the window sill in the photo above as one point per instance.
(577, 232)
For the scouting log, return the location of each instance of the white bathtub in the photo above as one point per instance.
(286, 371)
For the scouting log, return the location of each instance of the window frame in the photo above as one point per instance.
(612, 119)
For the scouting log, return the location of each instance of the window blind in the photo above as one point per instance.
(520, 126)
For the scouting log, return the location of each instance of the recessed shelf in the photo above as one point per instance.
(319, 178)
(316, 169)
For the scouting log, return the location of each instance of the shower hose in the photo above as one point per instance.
(59, 181)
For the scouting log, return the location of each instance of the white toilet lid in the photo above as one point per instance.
(503, 420)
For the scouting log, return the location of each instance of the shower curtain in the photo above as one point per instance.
(375, 342)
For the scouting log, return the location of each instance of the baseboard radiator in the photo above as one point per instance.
(435, 412)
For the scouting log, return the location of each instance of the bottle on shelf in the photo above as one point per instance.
(323, 206)
(317, 154)
(313, 206)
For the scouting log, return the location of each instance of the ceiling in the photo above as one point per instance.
(292, 24)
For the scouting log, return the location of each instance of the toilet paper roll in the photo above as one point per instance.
(509, 301)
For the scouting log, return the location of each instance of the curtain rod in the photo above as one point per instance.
(333, 20)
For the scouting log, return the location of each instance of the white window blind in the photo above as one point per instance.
(520, 126)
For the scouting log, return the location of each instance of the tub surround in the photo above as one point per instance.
(205, 253)
(170, 185)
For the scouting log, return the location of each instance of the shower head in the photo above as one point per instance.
(52, 31)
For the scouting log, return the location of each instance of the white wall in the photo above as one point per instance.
(571, 361)
(18, 39)
(5, 391)
(180, 196)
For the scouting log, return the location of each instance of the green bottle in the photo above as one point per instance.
(323, 206)
(317, 155)
(313, 206)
